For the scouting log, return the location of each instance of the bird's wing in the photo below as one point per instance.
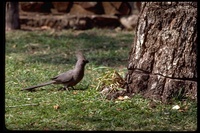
(64, 77)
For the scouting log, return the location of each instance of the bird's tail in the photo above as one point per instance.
(40, 85)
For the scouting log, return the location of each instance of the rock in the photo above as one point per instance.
(110, 9)
(95, 7)
(129, 22)
(116, 8)
(87, 5)
(61, 6)
(79, 10)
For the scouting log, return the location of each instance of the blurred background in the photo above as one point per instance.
(78, 15)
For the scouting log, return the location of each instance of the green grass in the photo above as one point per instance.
(34, 57)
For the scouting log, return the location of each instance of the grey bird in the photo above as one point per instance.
(69, 78)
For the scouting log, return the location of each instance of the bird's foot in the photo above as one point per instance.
(63, 89)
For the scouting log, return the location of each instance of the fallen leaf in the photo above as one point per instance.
(56, 107)
(75, 92)
(126, 97)
(120, 98)
(14, 46)
(186, 107)
(27, 98)
(176, 107)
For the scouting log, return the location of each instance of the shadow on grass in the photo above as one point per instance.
(59, 49)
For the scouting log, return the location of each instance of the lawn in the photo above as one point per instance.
(33, 57)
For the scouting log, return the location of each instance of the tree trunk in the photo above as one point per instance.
(12, 16)
(162, 62)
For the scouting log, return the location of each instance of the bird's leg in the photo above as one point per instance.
(72, 87)
(66, 88)
(62, 88)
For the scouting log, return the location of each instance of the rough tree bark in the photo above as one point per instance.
(12, 16)
(162, 62)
